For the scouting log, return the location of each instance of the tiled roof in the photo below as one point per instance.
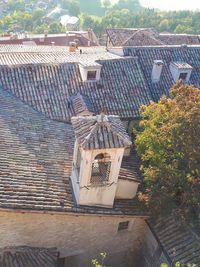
(101, 131)
(142, 37)
(36, 160)
(11, 55)
(83, 38)
(27, 256)
(130, 168)
(119, 36)
(148, 37)
(182, 65)
(179, 39)
(168, 54)
(47, 87)
(177, 240)
(81, 103)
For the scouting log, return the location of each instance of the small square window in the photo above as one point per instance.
(123, 226)
(91, 75)
(183, 76)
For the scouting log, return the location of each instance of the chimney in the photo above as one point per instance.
(72, 47)
(157, 70)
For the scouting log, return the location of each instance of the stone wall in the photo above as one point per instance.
(82, 237)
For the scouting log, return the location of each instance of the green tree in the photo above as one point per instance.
(132, 5)
(106, 4)
(72, 6)
(169, 146)
(164, 25)
(92, 7)
(100, 263)
(55, 28)
(179, 264)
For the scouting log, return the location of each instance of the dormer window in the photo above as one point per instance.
(90, 72)
(100, 169)
(91, 75)
(183, 76)
(180, 71)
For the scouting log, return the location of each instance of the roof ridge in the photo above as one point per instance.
(107, 124)
(147, 33)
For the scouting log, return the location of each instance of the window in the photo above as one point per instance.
(183, 76)
(100, 169)
(123, 226)
(91, 75)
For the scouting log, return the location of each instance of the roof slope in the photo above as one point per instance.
(47, 87)
(35, 158)
(177, 240)
(27, 256)
(142, 37)
(179, 39)
(81, 104)
(83, 38)
(117, 36)
(168, 54)
(101, 131)
(35, 164)
(148, 37)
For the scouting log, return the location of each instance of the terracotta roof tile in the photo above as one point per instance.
(47, 87)
(27, 256)
(177, 240)
(80, 104)
(36, 161)
(148, 37)
(101, 131)
(189, 55)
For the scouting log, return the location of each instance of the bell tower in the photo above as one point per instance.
(98, 152)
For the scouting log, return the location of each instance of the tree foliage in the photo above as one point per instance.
(126, 13)
(169, 146)
(179, 264)
(91, 7)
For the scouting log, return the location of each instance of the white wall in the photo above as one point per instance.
(82, 235)
(126, 189)
(157, 70)
(94, 195)
(175, 71)
(84, 70)
(117, 51)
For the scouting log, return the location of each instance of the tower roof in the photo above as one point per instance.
(100, 131)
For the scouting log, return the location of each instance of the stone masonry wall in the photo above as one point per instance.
(82, 237)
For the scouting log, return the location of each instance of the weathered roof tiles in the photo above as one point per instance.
(188, 57)
(46, 87)
(100, 131)
(147, 37)
(36, 162)
(177, 240)
(27, 256)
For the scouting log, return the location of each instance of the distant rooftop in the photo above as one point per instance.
(21, 55)
(84, 38)
(147, 37)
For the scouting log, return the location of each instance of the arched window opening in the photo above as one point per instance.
(101, 169)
